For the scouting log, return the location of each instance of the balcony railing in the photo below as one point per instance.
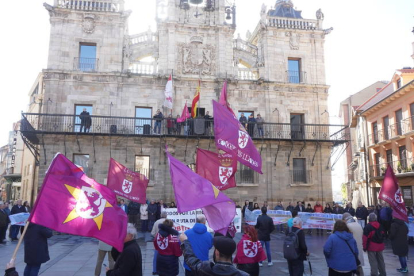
(247, 74)
(291, 23)
(296, 76)
(85, 64)
(90, 5)
(33, 123)
(240, 44)
(144, 68)
(401, 166)
(300, 176)
(392, 131)
(146, 37)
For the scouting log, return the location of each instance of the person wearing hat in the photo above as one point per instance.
(223, 250)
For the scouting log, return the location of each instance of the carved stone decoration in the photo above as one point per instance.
(320, 15)
(196, 58)
(88, 23)
(294, 41)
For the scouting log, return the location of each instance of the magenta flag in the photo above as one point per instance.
(126, 183)
(219, 168)
(193, 192)
(390, 192)
(184, 115)
(232, 138)
(70, 202)
(223, 97)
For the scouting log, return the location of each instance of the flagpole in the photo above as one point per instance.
(13, 258)
(172, 80)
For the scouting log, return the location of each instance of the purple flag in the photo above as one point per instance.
(193, 192)
(232, 137)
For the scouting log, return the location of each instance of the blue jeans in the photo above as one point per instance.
(151, 225)
(154, 261)
(403, 261)
(279, 227)
(144, 225)
(267, 244)
(32, 270)
(260, 129)
(14, 229)
(157, 125)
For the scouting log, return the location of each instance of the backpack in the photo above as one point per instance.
(378, 237)
(291, 245)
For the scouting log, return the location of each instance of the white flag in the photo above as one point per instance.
(168, 102)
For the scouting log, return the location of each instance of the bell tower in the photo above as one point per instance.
(196, 37)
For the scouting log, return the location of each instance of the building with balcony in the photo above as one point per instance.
(355, 172)
(95, 65)
(386, 121)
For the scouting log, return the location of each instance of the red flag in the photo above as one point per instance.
(184, 115)
(223, 98)
(196, 99)
(390, 192)
(220, 169)
(127, 183)
(70, 202)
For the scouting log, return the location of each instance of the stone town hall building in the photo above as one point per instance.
(120, 78)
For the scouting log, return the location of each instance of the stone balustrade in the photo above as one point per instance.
(292, 23)
(91, 5)
(246, 74)
(244, 46)
(144, 68)
(143, 38)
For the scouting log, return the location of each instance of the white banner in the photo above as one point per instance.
(185, 221)
(19, 219)
(310, 220)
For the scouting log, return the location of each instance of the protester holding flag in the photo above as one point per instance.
(167, 244)
(249, 252)
(129, 262)
(36, 250)
(399, 236)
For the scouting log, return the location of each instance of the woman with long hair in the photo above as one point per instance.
(327, 209)
(168, 247)
(341, 251)
(256, 206)
(249, 252)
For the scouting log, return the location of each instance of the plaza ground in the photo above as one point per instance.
(76, 256)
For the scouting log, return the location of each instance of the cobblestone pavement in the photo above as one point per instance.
(76, 256)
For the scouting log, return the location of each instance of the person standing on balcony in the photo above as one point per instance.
(86, 121)
(243, 120)
(158, 121)
(208, 119)
(250, 125)
(170, 124)
(260, 122)
(177, 124)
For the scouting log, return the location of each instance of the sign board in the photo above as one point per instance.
(19, 219)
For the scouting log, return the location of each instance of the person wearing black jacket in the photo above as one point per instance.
(290, 207)
(349, 209)
(152, 213)
(299, 207)
(133, 213)
(296, 267)
(14, 229)
(223, 250)
(4, 223)
(264, 227)
(337, 209)
(246, 206)
(129, 262)
(361, 213)
(251, 122)
(36, 251)
(398, 236)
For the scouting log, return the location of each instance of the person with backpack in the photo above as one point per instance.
(341, 251)
(264, 227)
(399, 236)
(373, 243)
(249, 252)
(295, 249)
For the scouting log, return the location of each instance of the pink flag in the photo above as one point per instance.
(127, 183)
(70, 202)
(231, 137)
(168, 102)
(390, 192)
(223, 98)
(184, 115)
(219, 168)
(193, 192)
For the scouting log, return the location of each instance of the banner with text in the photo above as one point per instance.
(310, 220)
(186, 220)
(19, 219)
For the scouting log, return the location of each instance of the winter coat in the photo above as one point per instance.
(385, 214)
(350, 211)
(290, 208)
(279, 207)
(399, 236)
(168, 247)
(337, 253)
(155, 228)
(144, 211)
(243, 121)
(338, 210)
(309, 210)
(133, 208)
(328, 210)
(159, 117)
(123, 207)
(318, 209)
(300, 208)
(264, 227)
(260, 121)
(16, 209)
(4, 219)
(368, 240)
(85, 118)
(207, 268)
(160, 208)
(201, 242)
(303, 249)
(361, 213)
(129, 262)
(152, 212)
(11, 272)
(36, 250)
(357, 233)
(249, 252)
